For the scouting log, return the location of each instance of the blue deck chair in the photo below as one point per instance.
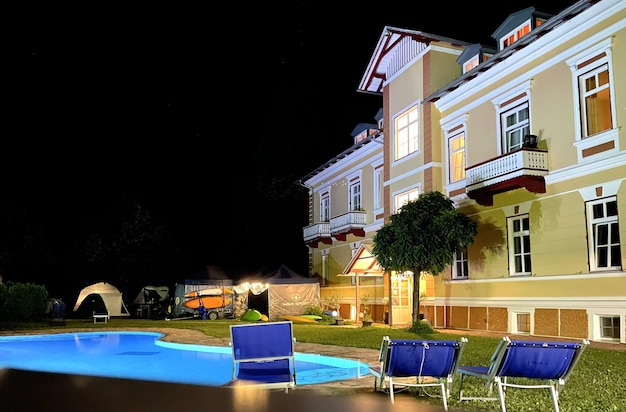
(378, 370)
(263, 355)
(430, 362)
(545, 365)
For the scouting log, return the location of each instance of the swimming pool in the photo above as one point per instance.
(142, 355)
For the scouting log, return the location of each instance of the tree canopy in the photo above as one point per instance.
(423, 237)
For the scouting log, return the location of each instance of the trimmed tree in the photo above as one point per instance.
(423, 237)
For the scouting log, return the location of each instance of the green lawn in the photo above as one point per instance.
(597, 384)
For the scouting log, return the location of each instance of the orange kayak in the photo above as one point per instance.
(209, 302)
(209, 292)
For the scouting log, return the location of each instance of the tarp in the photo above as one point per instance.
(288, 293)
(110, 295)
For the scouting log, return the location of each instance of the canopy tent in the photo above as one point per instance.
(279, 293)
(152, 294)
(110, 295)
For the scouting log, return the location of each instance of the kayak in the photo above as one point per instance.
(209, 292)
(209, 302)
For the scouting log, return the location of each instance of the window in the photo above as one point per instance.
(325, 207)
(405, 197)
(406, 133)
(515, 125)
(515, 35)
(460, 269)
(523, 323)
(355, 194)
(518, 228)
(595, 100)
(457, 157)
(470, 64)
(603, 234)
(609, 327)
(378, 187)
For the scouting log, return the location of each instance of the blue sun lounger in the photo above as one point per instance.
(424, 362)
(263, 355)
(544, 365)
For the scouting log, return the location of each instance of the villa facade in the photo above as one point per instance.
(527, 139)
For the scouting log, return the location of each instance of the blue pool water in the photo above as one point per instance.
(141, 355)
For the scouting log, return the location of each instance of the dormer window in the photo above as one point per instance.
(470, 64)
(473, 55)
(515, 35)
(518, 25)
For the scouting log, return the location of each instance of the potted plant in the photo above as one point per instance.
(367, 317)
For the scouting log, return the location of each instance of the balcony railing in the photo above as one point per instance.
(351, 222)
(316, 231)
(338, 227)
(523, 168)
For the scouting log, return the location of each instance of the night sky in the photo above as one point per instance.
(203, 117)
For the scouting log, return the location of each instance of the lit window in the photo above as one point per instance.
(515, 35)
(518, 228)
(457, 157)
(595, 100)
(406, 133)
(603, 229)
(470, 64)
(404, 198)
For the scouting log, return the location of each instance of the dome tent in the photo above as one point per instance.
(110, 295)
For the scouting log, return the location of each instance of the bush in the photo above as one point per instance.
(23, 302)
(421, 328)
(317, 311)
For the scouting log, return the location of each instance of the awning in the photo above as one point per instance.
(363, 263)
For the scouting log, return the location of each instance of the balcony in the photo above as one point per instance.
(349, 223)
(316, 233)
(339, 227)
(523, 168)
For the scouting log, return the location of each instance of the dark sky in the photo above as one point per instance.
(205, 114)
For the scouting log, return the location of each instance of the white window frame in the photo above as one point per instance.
(509, 101)
(406, 133)
(513, 134)
(456, 156)
(470, 64)
(514, 328)
(518, 237)
(580, 64)
(325, 206)
(355, 194)
(379, 187)
(403, 198)
(611, 223)
(595, 318)
(460, 267)
(583, 79)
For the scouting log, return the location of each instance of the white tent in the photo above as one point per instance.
(110, 295)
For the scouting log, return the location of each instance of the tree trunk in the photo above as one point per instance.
(416, 295)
